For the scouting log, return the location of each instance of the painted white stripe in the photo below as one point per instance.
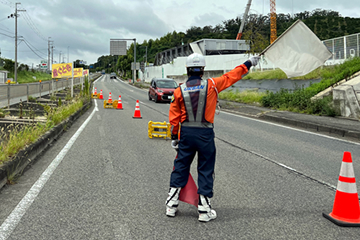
(299, 130)
(346, 187)
(347, 170)
(14, 218)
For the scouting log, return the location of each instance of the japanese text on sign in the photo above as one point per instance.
(61, 70)
(78, 72)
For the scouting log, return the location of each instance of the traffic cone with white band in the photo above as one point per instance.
(110, 99)
(95, 92)
(137, 113)
(101, 95)
(119, 105)
(346, 209)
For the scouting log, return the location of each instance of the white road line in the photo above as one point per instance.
(296, 129)
(14, 218)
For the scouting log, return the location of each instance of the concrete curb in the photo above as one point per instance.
(29, 155)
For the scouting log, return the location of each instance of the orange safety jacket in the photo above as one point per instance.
(177, 112)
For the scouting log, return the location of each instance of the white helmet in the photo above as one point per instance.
(195, 60)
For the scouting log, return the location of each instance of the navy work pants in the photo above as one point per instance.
(192, 140)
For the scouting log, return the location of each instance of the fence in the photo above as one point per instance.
(10, 93)
(344, 47)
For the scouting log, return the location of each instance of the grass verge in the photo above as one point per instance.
(19, 137)
(299, 100)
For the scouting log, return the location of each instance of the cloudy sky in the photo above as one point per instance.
(82, 29)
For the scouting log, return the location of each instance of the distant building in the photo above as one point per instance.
(3, 76)
(205, 47)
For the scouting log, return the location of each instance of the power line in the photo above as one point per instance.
(6, 35)
(32, 50)
(31, 24)
(10, 4)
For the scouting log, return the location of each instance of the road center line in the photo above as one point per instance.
(19, 211)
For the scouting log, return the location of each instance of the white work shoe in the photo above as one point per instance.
(204, 208)
(172, 202)
(205, 217)
(170, 211)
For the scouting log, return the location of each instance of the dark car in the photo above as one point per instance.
(162, 89)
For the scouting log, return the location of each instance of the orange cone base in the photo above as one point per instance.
(101, 97)
(137, 116)
(341, 221)
(119, 108)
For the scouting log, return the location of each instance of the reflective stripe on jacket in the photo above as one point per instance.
(178, 113)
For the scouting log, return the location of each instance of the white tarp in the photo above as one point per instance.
(297, 51)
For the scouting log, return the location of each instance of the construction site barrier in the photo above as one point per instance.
(159, 129)
(110, 104)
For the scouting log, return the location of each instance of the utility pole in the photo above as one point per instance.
(49, 51)
(16, 16)
(52, 55)
(60, 57)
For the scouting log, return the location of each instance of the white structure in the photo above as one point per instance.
(3, 76)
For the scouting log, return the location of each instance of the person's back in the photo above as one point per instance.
(193, 107)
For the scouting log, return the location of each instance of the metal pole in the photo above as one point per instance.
(27, 92)
(8, 93)
(72, 82)
(48, 64)
(134, 60)
(15, 75)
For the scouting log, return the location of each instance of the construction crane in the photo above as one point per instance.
(238, 37)
(273, 34)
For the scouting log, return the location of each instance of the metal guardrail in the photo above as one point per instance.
(14, 93)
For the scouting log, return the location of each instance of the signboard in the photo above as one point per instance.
(137, 66)
(86, 72)
(82, 62)
(117, 47)
(44, 64)
(78, 72)
(62, 70)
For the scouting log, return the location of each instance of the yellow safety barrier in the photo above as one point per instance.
(95, 95)
(158, 129)
(110, 104)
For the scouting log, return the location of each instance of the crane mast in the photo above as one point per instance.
(238, 37)
(273, 34)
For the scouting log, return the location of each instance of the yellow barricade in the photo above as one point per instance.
(158, 129)
(112, 104)
(95, 95)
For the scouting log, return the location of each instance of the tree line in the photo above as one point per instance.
(326, 24)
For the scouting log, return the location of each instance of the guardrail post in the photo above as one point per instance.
(8, 93)
(40, 88)
(27, 92)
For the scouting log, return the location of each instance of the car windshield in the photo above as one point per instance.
(166, 84)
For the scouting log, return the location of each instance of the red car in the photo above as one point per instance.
(162, 89)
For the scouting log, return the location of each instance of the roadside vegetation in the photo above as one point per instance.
(16, 139)
(300, 99)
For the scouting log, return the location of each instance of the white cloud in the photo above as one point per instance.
(86, 26)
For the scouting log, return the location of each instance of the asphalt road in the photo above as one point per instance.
(272, 182)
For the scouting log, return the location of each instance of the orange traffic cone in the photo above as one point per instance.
(346, 209)
(110, 99)
(95, 92)
(101, 95)
(119, 106)
(137, 113)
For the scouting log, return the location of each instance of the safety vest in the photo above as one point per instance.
(192, 122)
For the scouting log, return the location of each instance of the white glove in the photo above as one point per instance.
(254, 60)
(174, 144)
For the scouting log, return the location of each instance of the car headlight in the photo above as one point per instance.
(160, 90)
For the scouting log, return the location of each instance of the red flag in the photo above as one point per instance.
(189, 193)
